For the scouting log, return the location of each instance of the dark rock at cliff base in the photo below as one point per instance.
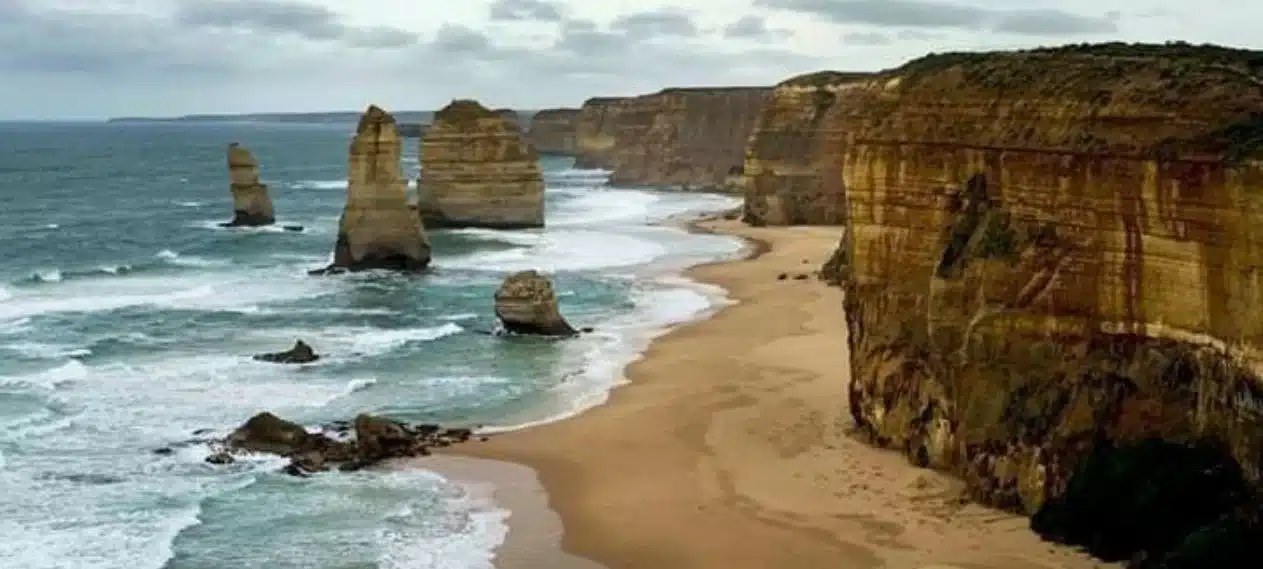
(268, 433)
(1142, 501)
(301, 353)
(526, 304)
(221, 457)
(291, 227)
(1233, 542)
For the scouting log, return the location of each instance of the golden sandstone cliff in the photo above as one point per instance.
(692, 137)
(377, 229)
(476, 171)
(251, 205)
(594, 132)
(791, 174)
(1053, 266)
(683, 137)
(552, 131)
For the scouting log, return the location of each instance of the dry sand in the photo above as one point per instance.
(729, 449)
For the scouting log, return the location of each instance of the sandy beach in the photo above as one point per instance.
(730, 448)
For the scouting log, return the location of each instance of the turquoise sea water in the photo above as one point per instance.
(127, 318)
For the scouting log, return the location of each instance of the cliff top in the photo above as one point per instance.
(562, 113)
(374, 119)
(603, 100)
(1170, 99)
(713, 90)
(823, 78)
(461, 111)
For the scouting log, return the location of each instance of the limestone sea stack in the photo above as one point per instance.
(511, 116)
(552, 131)
(377, 229)
(251, 205)
(1052, 280)
(526, 304)
(476, 171)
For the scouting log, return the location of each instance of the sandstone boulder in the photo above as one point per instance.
(251, 205)
(377, 229)
(301, 353)
(478, 172)
(526, 304)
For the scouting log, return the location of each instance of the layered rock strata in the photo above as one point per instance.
(377, 229)
(1054, 254)
(511, 116)
(476, 171)
(691, 138)
(552, 131)
(251, 205)
(594, 132)
(791, 173)
(526, 304)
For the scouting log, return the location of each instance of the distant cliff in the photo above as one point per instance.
(791, 173)
(1053, 256)
(552, 131)
(594, 132)
(684, 137)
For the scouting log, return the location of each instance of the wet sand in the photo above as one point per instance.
(729, 449)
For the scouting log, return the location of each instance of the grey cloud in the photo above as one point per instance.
(939, 14)
(917, 35)
(286, 16)
(866, 38)
(753, 27)
(644, 25)
(526, 10)
(454, 38)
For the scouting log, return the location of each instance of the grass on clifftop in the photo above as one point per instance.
(1249, 61)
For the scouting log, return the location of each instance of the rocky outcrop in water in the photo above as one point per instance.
(792, 174)
(412, 130)
(373, 440)
(552, 131)
(251, 205)
(377, 229)
(526, 304)
(476, 171)
(1051, 257)
(594, 132)
(686, 138)
(301, 353)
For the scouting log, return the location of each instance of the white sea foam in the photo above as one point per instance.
(564, 250)
(464, 535)
(175, 258)
(459, 317)
(320, 184)
(190, 204)
(354, 342)
(47, 276)
(47, 351)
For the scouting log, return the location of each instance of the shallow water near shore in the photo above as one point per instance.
(127, 318)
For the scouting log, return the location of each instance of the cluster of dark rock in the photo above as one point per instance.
(341, 445)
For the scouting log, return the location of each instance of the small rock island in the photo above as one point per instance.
(251, 205)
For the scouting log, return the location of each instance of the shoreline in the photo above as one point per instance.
(728, 447)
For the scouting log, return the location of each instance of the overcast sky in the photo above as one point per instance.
(98, 58)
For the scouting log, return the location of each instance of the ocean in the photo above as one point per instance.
(128, 318)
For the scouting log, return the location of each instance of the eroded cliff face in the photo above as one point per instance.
(476, 171)
(594, 132)
(552, 131)
(377, 229)
(791, 174)
(251, 205)
(1051, 252)
(692, 138)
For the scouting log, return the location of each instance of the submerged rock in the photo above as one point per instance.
(377, 229)
(526, 304)
(251, 205)
(301, 353)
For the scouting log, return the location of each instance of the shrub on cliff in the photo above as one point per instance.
(1148, 501)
